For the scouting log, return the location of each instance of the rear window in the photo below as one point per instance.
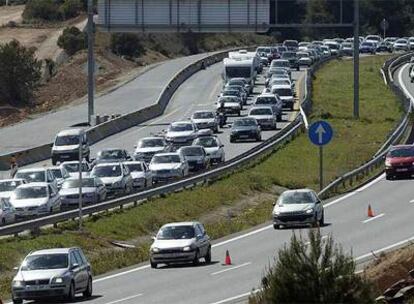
(265, 100)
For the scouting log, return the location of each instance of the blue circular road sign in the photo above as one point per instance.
(320, 133)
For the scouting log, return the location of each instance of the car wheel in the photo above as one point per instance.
(276, 226)
(238, 113)
(231, 140)
(196, 259)
(17, 301)
(298, 68)
(279, 117)
(50, 210)
(54, 161)
(3, 221)
(87, 158)
(71, 294)
(88, 292)
(153, 265)
(322, 220)
(208, 256)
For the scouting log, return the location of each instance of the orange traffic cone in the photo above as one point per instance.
(227, 261)
(370, 212)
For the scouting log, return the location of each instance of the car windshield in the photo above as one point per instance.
(111, 154)
(244, 122)
(206, 142)
(151, 143)
(263, 50)
(261, 111)
(367, 44)
(176, 233)
(74, 183)
(231, 93)
(31, 192)
(409, 152)
(192, 151)
(203, 115)
(283, 92)
(402, 41)
(74, 167)
(236, 82)
(32, 177)
(282, 82)
(6, 186)
(165, 159)
(265, 100)
(135, 167)
(347, 45)
(181, 127)
(303, 55)
(45, 261)
(69, 140)
(296, 197)
(57, 173)
(289, 55)
(278, 63)
(107, 171)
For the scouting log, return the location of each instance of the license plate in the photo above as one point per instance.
(244, 136)
(65, 156)
(402, 170)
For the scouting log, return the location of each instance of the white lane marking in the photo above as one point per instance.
(125, 299)
(412, 201)
(373, 218)
(238, 297)
(232, 268)
(400, 80)
(121, 273)
(379, 178)
(243, 236)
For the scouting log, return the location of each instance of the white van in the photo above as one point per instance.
(66, 146)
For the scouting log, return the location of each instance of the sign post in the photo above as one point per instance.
(320, 134)
(384, 26)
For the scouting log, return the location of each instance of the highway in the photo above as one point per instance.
(252, 251)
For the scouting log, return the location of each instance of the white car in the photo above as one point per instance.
(37, 175)
(304, 59)
(147, 147)
(168, 166)
(7, 187)
(401, 45)
(229, 105)
(115, 176)
(270, 100)
(93, 191)
(60, 174)
(140, 173)
(181, 133)
(72, 167)
(264, 117)
(205, 120)
(213, 147)
(35, 199)
(286, 94)
(7, 213)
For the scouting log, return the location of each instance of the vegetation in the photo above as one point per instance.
(317, 271)
(72, 40)
(126, 44)
(52, 10)
(296, 166)
(19, 73)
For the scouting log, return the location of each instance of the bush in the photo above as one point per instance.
(70, 9)
(72, 40)
(126, 44)
(20, 73)
(41, 9)
(313, 272)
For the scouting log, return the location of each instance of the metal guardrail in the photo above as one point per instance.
(404, 126)
(271, 144)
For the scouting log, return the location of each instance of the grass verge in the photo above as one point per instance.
(294, 165)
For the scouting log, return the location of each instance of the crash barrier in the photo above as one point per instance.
(122, 122)
(270, 145)
(402, 133)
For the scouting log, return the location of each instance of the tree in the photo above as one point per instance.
(126, 44)
(72, 40)
(317, 11)
(313, 272)
(20, 73)
(41, 9)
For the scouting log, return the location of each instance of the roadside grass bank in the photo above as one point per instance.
(294, 165)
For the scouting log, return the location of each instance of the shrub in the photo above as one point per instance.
(126, 44)
(72, 40)
(313, 272)
(70, 9)
(20, 73)
(41, 9)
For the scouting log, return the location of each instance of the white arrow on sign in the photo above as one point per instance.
(320, 131)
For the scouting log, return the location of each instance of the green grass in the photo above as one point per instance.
(294, 165)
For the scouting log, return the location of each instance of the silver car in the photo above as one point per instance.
(205, 120)
(185, 242)
(7, 213)
(72, 167)
(264, 117)
(53, 273)
(37, 175)
(196, 157)
(60, 174)
(298, 207)
(168, 166)
(181, 133)
(140, 173)
(35, 199)
(93, 191)
(115, 176)
(147, 147)
(213, 147)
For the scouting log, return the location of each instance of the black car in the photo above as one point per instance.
(384, 47)
(292, 58)
(112, 155)
(245, 128)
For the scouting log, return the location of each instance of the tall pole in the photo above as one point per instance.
(384, 27)
(341, 11)
(80, 180)
(320, 168)
(91, 65)
(356, 59)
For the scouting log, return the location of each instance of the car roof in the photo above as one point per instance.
(111, 149)
(266, 95)
(151, 138)
(203, 111)
(191, 147)
(304, 190)
(167, 154)
(398, 147)
(12, 180)
(38, 169)
(281, 86)
(181, 224)
(75, 131)
(52, 251)
(133, 162)
(108, 164)
(255, 107)
(182, 122)
(30, 185)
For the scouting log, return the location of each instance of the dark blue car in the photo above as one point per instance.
(367, 47)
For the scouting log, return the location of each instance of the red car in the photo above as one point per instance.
(399, 161)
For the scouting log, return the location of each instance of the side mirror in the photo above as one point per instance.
(153, 238)
(274, 204)
(199, 236)
(221, 146)
(318, 202)
(74, 265)
(16, 268)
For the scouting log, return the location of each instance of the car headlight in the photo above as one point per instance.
(309, 211)
(187, 248)
(276, 212)
(18, 283)
(387, 163)
(58, 280)
(155, 249)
